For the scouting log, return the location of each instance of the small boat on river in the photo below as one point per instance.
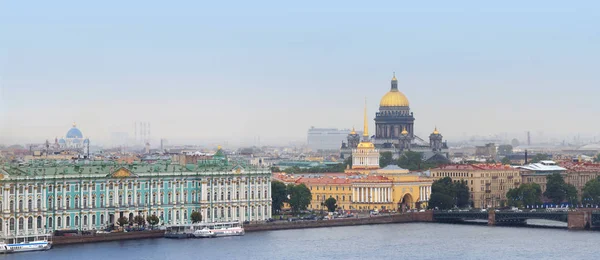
(205, 230)
(37, 245)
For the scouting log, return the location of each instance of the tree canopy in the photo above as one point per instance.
(525, 194)
(139, 220)
(505, 160)
(153, 220)
(558, 191)
(505, 149)
(445, 194)
(122, 221)
(196, 217)
(278, 195)
(331, 205)
(385, 159)
(591, 192)
(299, 197)
(539, 157)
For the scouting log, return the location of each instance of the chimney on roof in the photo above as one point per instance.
(525, 156)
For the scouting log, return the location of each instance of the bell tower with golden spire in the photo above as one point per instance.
(365, 157)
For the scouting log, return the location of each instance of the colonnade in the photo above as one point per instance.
(424, 193)
(372, 194)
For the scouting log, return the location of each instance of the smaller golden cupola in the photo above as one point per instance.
(435, 131)
(404, 132)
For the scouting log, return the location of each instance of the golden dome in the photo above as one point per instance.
(435, 131)
(367, 145)
(404, 132)
(394, 98)
(353, 132)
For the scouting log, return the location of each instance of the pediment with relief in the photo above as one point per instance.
(122, 173)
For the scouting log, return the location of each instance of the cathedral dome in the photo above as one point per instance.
(74, 132)
(394, 98)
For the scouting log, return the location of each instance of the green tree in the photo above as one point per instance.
(525, 194)
(539, 157)
(461, 191)
(278, 195)
(348, 162)
(591, 192)
(446, 194)
(505, 160)
(597, 158)
(299, 197)
(196, 217)
(122, 221)
(440, 201)
(331, 204)
(153, 220)
(385, 159)
(410, 160)
(571, 194)
(139, 220)
(555, 188)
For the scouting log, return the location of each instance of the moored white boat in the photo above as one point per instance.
(38, 245)
(219, 229)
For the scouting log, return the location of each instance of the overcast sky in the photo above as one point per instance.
(202, 70)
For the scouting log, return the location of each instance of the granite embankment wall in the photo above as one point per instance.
(107, 237)
(386, 219)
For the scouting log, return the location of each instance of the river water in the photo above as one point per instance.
(399, 241)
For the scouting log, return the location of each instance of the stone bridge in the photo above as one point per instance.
(581, 219)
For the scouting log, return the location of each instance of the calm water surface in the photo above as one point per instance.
(399, 241)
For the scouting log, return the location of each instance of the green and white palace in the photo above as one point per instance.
(40, 197)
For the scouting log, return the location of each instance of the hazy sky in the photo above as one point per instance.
(202, 70)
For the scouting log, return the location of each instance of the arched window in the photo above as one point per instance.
(39, 222)
(93, 219)
(58, 201)
(30, 204)
(21, 223)
(1, 226)
(129, 201)
(228, 195)
(38, 203)
(237, 212)
(12, 224)
(68, 200)
(85, 201)
(222, 212)
(216, 213)
(101, 201)
(237, 195)
(30, 223)
(101, 219)
(265, 194)
(110, 200)
(228, 212)
(245, 194)
(120, 200)
(68, 221)
(169, 198)
(20, 205)
(266, 211)
(216, 195)
(222, 195)
(50, 222)
(177, 215)
(12, 205)
(76, 220)
(76, 202)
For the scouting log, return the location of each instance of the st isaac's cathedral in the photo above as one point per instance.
(394, 130)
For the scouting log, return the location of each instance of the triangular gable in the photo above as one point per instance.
(122, 173)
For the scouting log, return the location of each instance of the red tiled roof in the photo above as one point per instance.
(581, 167)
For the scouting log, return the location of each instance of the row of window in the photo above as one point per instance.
(331, 188)
(121, 185)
